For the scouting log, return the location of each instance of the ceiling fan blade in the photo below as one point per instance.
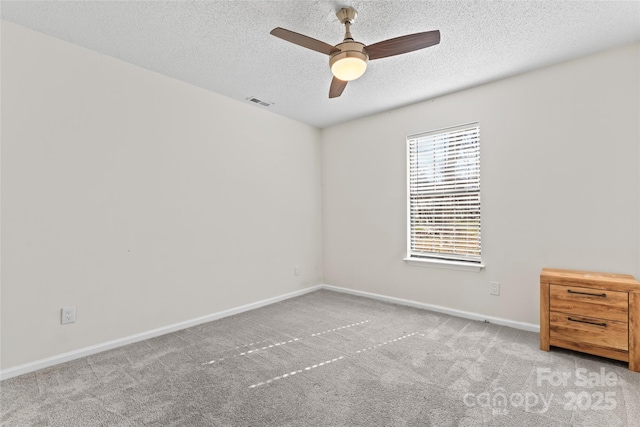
(403, 44)
(337, 86)
(304, 41)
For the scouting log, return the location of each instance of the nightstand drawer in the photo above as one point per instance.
(595, 303)
(588, 330)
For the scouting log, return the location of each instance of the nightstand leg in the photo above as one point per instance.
(544, 316)
(634, 331)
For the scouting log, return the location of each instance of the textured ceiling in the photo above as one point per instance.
(225, 46)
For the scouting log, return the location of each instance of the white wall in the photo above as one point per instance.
(560, 186)
(141, 200)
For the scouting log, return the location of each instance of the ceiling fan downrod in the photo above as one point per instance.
(347, 16)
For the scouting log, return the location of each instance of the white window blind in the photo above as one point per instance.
(444, 194)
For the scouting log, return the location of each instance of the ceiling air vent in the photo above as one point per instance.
(259, 101)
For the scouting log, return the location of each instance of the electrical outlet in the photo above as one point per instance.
(68, 315)
(296, 270)
(495, 288)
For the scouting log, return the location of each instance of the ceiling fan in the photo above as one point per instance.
(348, 60)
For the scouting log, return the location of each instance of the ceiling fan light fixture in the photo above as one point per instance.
(348, 65)
(348, 60)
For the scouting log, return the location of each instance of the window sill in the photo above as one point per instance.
(449, 265)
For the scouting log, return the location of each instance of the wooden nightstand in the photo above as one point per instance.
(595, 313)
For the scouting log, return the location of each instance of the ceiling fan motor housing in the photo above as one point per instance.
(349, 49)
(350, 62)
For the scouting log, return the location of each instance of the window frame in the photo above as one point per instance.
(441, 261)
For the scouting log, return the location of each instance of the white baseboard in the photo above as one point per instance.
(440, 309)
(87, 351)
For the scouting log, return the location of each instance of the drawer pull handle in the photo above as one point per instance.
(586, 293)
(586, 321)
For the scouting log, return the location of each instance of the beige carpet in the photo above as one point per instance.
(330, 359)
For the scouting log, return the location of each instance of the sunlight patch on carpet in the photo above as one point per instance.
(308, 368)
(267, 347)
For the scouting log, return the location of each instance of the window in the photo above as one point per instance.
(444, 197)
